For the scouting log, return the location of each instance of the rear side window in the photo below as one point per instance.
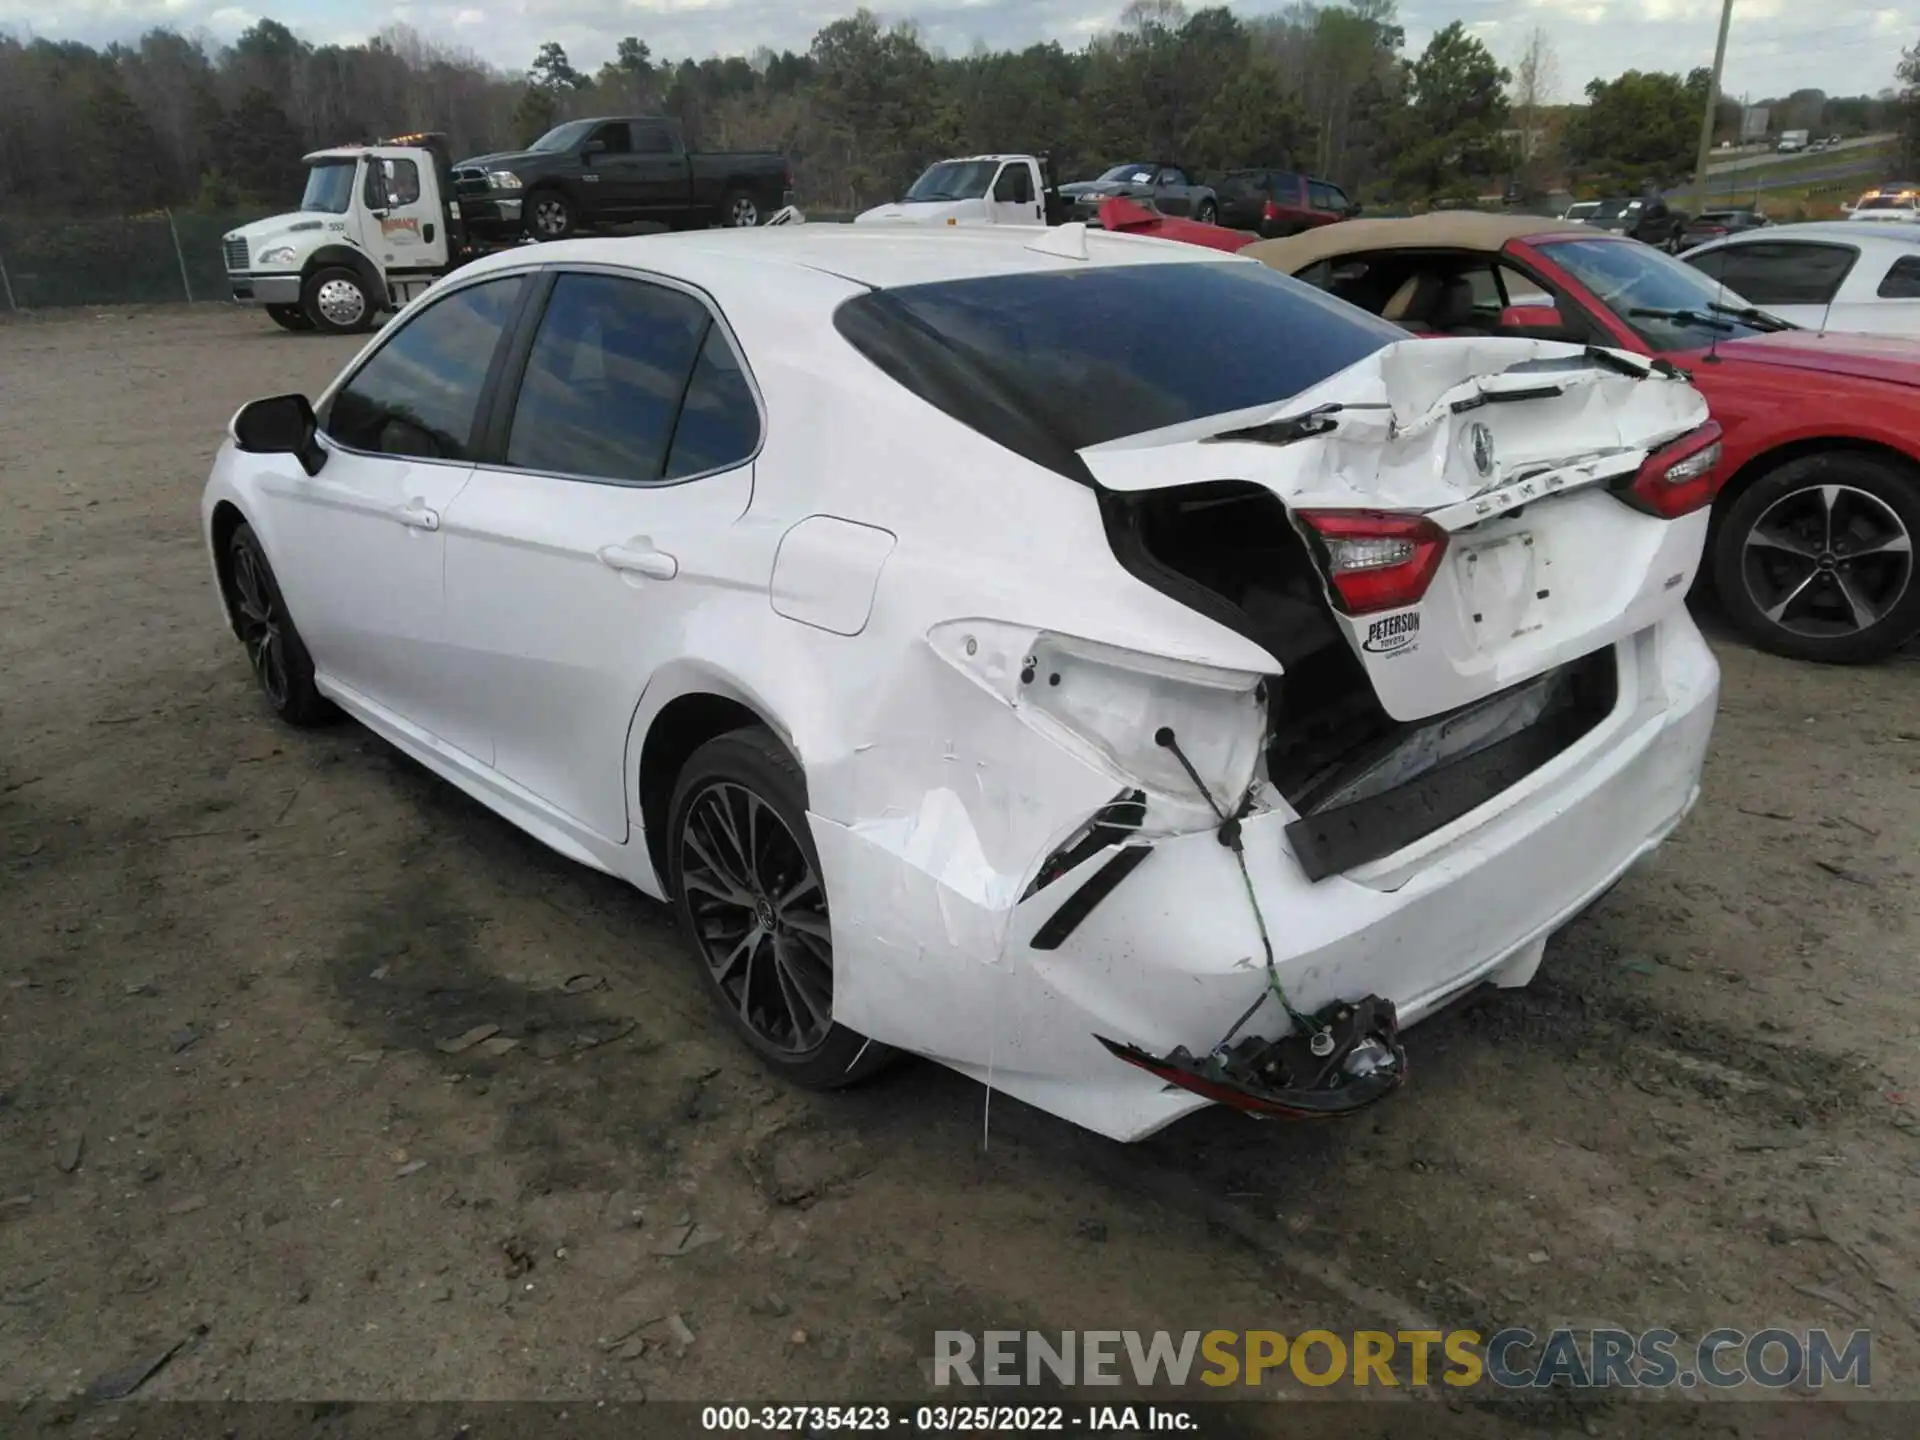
(1047, 364)
(418, 394)
(719, 424)
(604, 379)
(1781, 273)
(1902, 281)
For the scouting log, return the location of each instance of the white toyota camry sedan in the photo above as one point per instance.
(1103, 665)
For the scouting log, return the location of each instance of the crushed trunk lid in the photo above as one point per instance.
(1507, 445)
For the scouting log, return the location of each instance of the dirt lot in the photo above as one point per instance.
(228, 954)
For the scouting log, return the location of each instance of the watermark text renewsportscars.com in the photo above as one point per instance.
(1510, 1359)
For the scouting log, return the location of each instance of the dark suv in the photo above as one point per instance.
(1281, 202)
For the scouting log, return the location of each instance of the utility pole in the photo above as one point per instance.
(1713, 106)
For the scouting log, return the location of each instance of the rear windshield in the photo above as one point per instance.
(1052, 362)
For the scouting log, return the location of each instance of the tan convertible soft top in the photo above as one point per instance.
(1442, 230)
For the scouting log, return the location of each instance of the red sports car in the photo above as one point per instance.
(1812, 546)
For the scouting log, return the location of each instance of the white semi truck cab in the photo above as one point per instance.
(377, 224)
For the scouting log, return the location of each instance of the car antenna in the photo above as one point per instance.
(1713, 343)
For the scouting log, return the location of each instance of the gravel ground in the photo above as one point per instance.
(230, 955)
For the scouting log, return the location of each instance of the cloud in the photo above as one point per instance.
(1774, 48)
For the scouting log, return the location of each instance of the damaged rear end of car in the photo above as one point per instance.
(1479, 699)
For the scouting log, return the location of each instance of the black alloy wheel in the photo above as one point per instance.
(1816, 560)
(750, 895)
(275, 652)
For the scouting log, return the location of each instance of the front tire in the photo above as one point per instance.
(747, 884)
(277, 655)
(1816, 560)
(337, 302)
(739, 211)
(550, 216)
(289, 317)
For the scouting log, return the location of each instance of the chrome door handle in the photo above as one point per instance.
(654, 564)
(418, 517)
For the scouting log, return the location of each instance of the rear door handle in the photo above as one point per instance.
(417, 516)
(636, 560)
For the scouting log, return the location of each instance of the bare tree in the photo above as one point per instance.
(1535, 78)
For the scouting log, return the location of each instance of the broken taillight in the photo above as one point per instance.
(1680, 477)
(1376, 559)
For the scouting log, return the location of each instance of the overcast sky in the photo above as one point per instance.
(1776, 45)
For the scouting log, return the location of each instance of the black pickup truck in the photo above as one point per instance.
(589, 172)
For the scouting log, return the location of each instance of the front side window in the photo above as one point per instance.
(1014, 187)
(1782, 272)
(1172, 175)
(417, 395)
(391, 183)
(615, 136)
(1902, 280)
(605, 377)
(329, 187)
(1325, 197)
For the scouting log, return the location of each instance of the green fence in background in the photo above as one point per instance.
(165, 257)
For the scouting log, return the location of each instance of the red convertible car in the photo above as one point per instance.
(1812, 545)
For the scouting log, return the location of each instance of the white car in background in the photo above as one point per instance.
(970, 190)
(1831, 275)
(1111, 668)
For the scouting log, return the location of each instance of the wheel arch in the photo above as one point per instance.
(1758, 467)
(221, 524)
(352, 259)
(679, 713)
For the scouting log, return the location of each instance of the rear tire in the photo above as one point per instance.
(739, 211)
(1207, 213)
(750, 896)
(289, 317)
(1815, 561)
(337, 302)
(277, 655)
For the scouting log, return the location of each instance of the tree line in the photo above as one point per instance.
(1327, 88)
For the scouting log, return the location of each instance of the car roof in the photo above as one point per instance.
(1442, 230)
(877, 256)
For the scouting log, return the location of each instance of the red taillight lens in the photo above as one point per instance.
(1680, 477)
(1377, 560)
(1270, 211)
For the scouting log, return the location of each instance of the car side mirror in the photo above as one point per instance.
(280, 425)
(592, 148)
(1532, 317)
